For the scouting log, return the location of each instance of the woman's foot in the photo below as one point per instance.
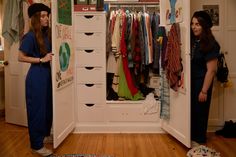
(194, 144)
(43, 151)
(48, 139)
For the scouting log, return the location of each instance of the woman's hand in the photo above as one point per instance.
(202, 97)
(211, 70)
(47, 57)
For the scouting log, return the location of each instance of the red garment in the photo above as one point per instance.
(30, 2)
(173, 57)
(123, 50)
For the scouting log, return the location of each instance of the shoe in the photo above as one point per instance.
(112, 95)
(43, 151)
(48, 139)
(228, 131)
(194, 144)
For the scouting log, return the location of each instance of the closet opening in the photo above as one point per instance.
(133, 69)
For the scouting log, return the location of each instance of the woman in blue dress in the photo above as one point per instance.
(204, 53)
(35, 48)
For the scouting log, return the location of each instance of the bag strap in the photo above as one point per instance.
(222, 60)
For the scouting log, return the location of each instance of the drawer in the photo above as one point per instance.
(90, 22)
(91, 113)
(90, 57)
(91, 93)
(90, 75)
(131, 113)
(88, 39)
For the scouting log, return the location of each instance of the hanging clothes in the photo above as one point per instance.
(129, 38)
(162, 43)
(132, 38)
(141, 39)
(26, 18)
(164, 90)
(173, 57)
(123, 89)
(123, 50)
(12, 21)
(137, 51)
(156, 53)
(149, 49)
(114, 56)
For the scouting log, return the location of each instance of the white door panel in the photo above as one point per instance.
(15, 108)
(63, 114)
(179, 123)
(63, 98)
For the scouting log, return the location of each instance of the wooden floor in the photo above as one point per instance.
(14, 142)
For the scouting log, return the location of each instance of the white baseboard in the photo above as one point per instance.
(118, 128)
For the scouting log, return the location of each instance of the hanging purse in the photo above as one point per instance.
(222, 69)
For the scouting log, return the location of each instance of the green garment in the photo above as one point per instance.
(123, 89)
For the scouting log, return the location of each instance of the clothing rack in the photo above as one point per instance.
(140, 6)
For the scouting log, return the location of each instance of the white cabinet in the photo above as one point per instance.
(130, 112)
(90, 47)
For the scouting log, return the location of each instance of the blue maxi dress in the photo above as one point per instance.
(38, 89)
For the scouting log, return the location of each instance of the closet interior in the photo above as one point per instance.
(132, 51)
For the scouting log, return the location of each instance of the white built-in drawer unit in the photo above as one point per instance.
(90, 50)
(90, 74)
(90, 56)
(90, 39)
(90, 93)
(89, 112)
(90, 22)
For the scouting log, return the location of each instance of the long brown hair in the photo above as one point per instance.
(207, 39)
(37, 29)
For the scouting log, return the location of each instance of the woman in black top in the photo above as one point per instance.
(204, 52)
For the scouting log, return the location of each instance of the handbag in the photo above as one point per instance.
(222, 69)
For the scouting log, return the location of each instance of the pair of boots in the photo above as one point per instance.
(228, 131)
(111, 94)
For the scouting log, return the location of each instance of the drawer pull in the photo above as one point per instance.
(89, 51)
(89, 84)
(88, 34)
(89, 68)
(89, 105)
(88, 16)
